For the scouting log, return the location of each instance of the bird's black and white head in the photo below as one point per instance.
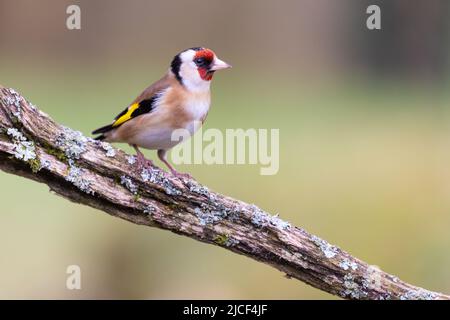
(195, 67)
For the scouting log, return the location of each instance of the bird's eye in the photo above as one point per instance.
(199, 61)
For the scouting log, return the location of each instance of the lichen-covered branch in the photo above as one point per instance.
(95, 174)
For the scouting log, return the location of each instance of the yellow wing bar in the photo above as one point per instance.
(127, 115)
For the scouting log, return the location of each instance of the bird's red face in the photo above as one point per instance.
(207, 63)
(195, 67)
(203, 60)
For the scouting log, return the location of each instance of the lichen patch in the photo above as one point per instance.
(14, 100)
(72, 142)
(110, 151)
(347, 264)
(131, 159)
(129, 184)
(327, 249)
(158, 177)
(24, 149)
(76, 177)
(261, 219)
(352, 289)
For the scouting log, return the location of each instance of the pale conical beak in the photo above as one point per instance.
(219, 65)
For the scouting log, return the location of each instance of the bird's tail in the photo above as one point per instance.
(100, 137)
(101, 131)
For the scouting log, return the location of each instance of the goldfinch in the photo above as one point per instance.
(179, 100)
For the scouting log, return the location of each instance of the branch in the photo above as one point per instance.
(95, 174)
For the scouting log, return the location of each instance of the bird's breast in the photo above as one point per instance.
(196, 106)
(187, 110)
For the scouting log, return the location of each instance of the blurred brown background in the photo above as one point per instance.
(364, 128)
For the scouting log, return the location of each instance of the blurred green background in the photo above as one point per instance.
(364, 138)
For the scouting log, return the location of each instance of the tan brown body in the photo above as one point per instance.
(177, 108)
(170, 110)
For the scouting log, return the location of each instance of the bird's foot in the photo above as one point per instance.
(143, 163)
(181, 174)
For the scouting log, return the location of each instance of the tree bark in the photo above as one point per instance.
(94, 173)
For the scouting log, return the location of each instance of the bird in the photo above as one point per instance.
(179, 100)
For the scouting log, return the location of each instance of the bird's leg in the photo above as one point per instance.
(141, 160)
(162, 157)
